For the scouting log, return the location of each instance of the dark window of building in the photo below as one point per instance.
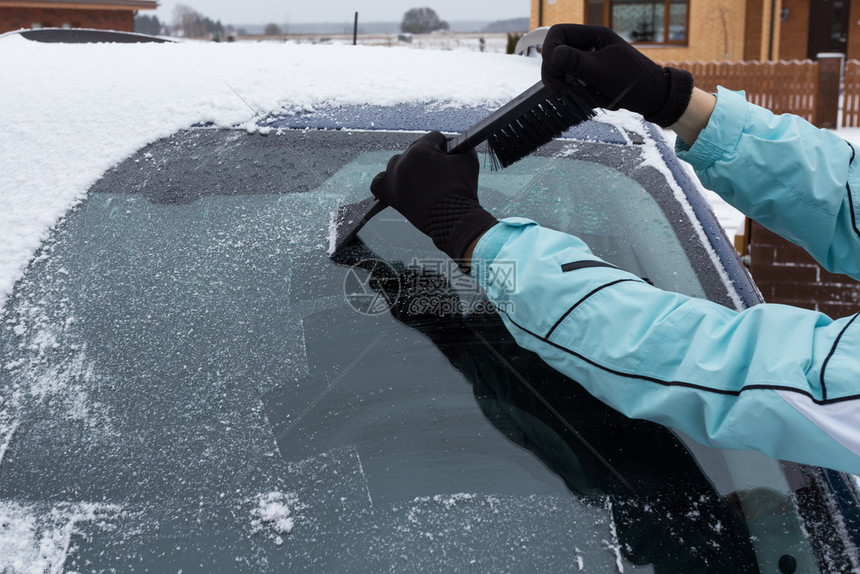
(595, 13)
(652, 21)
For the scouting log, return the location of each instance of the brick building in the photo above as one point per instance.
(97, 14)
(689, 30)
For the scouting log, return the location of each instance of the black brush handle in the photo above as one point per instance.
(356, 215)
(478, 133)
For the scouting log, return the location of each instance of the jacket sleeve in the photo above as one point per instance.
(772, 378)
(795, 179)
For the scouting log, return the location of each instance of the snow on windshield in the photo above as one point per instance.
(70, 112)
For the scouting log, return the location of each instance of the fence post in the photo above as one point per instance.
(827, 92)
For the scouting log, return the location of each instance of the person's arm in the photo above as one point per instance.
(777, 379)
(772, 378)
(696, 117)
(795, 179)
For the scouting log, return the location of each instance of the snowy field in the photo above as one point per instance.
(459, 42)
(70, 112)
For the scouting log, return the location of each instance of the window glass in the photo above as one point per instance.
(678, 20)
(638, 21)
(189, 383)
(653, 21)
(618, 219)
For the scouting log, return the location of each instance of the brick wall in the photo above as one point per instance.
(559, 12)
(785, 273)
(17, 18)
(716, 33)
(724, 29)
(716, 28)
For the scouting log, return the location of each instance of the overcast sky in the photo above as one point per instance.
(295, 12)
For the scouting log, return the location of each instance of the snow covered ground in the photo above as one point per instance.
(457, 41)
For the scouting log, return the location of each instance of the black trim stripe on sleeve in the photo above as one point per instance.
(850, 197)
(585, 265)
(851, 208)
(680, 383)
(578, 303)
(830, 355)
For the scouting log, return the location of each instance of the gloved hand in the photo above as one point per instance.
(436, 192)
(608, 65)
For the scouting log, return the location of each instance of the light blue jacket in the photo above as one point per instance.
(778, 379)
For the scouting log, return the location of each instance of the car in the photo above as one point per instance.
(190, 382)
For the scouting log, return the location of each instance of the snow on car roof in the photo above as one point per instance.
(73, 111)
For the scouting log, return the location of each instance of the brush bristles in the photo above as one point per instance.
(538, 126)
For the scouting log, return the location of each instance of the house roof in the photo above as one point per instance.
(82, 4)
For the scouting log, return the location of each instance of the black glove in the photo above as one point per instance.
(437, 192)
(608, 65)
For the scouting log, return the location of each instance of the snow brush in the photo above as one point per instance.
(518, 128)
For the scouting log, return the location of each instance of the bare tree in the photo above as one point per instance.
(273, 30)
(186, 19)
(422, 21)
(193, 24)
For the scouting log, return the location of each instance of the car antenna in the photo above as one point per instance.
(259, 115)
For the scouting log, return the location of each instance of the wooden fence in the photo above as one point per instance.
(782, 87)
(851, 94)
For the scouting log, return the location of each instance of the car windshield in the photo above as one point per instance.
(189, 382)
